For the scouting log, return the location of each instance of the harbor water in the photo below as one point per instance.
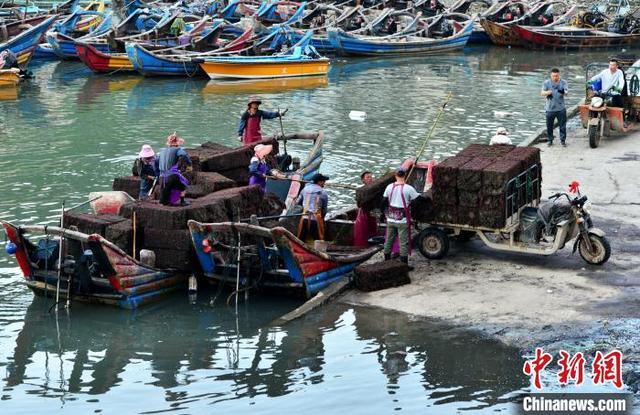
(68, 132)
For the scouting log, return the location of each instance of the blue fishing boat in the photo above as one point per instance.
(429, 37)
(24, 44)
(220, 38)
(62, 39)
(93, 269)
(274, 258)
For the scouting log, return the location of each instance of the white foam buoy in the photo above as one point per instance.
(358, 115)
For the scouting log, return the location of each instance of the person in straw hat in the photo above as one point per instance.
(501, 137)
(258, 168)
(146, 170)
(249, 129)
(168, 165)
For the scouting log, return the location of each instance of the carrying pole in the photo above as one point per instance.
(60, 257)
(282, 131)
(426, 140)
(336, 185)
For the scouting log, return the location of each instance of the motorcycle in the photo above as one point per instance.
(598, 118)
(562, 219)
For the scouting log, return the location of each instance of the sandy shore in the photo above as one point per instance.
(556, 301)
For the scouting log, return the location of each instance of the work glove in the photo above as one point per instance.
(281, 113)
(240, 138)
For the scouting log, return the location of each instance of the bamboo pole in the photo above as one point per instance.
(433, 127)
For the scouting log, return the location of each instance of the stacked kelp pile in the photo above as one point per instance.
(381, 275)
(472, 188)
(217, 193)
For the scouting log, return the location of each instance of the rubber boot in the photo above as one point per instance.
(395, 256)
(406, 261)
(387, 257)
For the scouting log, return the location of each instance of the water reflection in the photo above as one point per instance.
(200, 355)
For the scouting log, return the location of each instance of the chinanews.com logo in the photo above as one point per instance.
(605, 370)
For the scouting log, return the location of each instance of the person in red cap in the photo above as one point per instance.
(249, 128)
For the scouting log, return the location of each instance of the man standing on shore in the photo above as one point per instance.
(554, 90)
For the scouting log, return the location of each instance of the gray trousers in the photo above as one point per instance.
(401, 230)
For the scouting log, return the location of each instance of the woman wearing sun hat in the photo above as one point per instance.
(146, 170)
(258, 168)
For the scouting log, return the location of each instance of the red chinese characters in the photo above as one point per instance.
(571, 368)
(537, 365)
(607, 368)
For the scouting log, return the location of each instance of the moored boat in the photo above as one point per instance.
(9, 77)
(103, 62)
(425, 39)
(573, 38)
(301, 60)
(93, 269)
(274, 258)
(24, 44)
(542, 15)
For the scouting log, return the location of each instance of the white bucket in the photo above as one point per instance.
(148, 257)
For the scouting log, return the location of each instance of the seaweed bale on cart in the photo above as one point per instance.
(485, 185)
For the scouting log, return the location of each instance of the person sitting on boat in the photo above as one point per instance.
(249, 128)
(546, 17)
(366, 224)
(258, 168)
(611, 82)
(501, 137)
(146, 170)
(178, 26)
(168, 165)
(396, 203)
(314, 200)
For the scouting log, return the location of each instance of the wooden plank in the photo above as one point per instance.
(319, 299)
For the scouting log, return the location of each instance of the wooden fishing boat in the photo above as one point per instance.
(301, 60)
(177, 61)
(63, 37)
(24, 44)
(102, 62)
(239, 67)
(473, 9)
(426, 39)
(9, 77)
(542, 15)
(573, 38)
(273, 258)
(93, 269)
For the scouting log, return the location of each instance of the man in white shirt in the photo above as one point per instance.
(398, 197)
(501, 137)
(612, 80)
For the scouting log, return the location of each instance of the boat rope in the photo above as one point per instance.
(433, 127)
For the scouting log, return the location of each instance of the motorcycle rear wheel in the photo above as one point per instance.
(601, 247)
(594, 136)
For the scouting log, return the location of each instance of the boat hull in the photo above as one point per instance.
(572, 39)
(351, 45)
(9, 78)
(150, 64)
(94, 270)
(500, 34)
(243, 69)
(103, 62)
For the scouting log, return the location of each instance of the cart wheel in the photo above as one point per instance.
(601, 247)
(594, 136)
(433, 243)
